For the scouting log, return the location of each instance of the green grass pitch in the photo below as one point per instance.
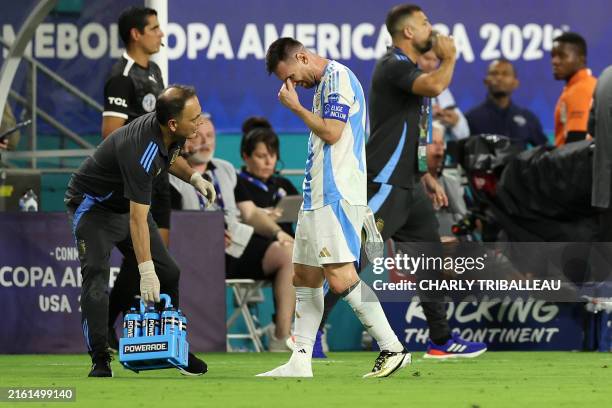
(496, 379)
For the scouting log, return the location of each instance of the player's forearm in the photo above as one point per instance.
(318, 126)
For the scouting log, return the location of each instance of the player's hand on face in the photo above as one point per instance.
(3, 144)
(444, 47)
(288, 96)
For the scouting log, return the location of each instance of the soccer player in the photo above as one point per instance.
(130, 91)
(328, 232)
(108, 199)
(398, 182)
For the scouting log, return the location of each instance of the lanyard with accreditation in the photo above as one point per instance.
(425, 138)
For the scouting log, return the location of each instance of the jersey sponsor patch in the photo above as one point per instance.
(336, 111)
(148, 102)
(117, 101)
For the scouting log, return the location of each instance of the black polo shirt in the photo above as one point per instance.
(266, 193)
(124, 165)
(391, 151)
(131, 90)
(517, 123)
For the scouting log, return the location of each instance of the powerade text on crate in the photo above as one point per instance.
(151, 341)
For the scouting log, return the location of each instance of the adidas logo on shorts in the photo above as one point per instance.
(324, 253)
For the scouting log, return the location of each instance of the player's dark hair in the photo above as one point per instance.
(280, 50)
(397, 14)
(575, 39)
(258, 129)
(133, 17)
(171, 102)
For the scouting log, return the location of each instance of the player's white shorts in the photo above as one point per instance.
(330, 234)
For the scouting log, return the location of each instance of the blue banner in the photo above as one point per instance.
(40, 281)
(220, 47)
(503, 324)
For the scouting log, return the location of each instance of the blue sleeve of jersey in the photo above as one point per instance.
(333, 109)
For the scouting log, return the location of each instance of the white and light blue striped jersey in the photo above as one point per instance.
(337, 172)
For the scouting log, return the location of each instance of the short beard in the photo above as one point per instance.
(422, 49)
(199, 158)
(499, 94)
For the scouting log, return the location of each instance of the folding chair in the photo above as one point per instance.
(245, 291)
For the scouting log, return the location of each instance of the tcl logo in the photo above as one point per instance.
(117, 101)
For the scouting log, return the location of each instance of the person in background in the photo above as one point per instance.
(456, 209)
(260, 152)
(569, 59)
(267, 254)
(499, 115)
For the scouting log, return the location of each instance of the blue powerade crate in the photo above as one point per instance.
(151, 341)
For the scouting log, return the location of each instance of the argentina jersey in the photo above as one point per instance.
(337, 172)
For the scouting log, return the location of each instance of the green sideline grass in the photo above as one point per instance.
(496, 379)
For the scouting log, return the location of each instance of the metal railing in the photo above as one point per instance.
(31, 104)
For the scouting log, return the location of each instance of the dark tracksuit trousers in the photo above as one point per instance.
(97, 230)
(408, 217)
(127, 285)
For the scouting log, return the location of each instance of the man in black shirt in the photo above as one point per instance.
(134, 81)
(130, 91)
(400, 126)
(108, 199)
(499, 115)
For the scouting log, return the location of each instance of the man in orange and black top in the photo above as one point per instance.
(569, 55)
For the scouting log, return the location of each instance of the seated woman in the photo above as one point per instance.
(267, 254)
(260, 152)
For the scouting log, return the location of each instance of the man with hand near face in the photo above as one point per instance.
(328, 232)
(401, 191)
